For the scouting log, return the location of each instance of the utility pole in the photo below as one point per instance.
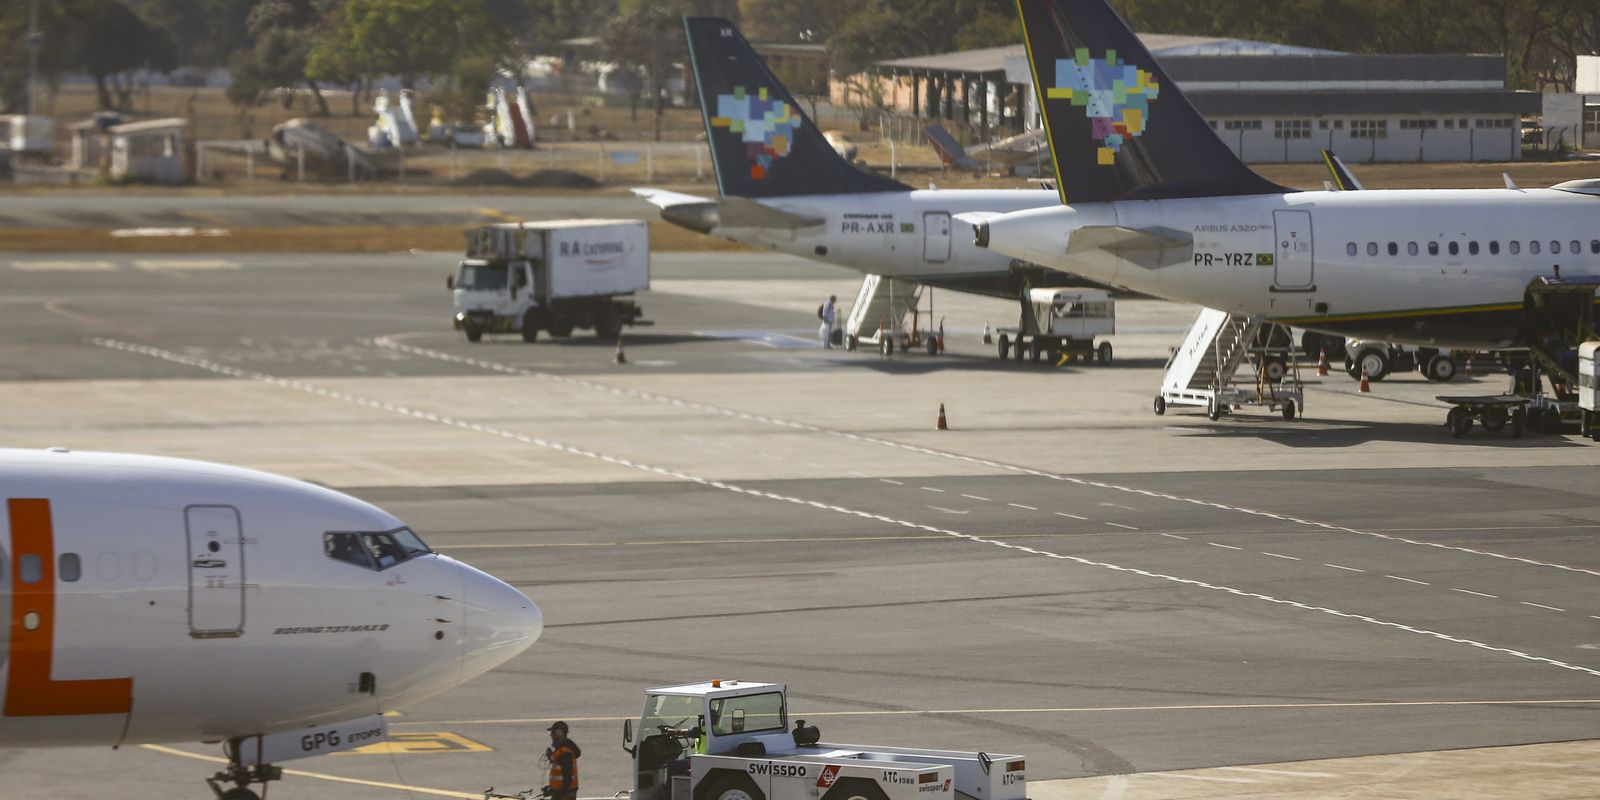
(35, 41)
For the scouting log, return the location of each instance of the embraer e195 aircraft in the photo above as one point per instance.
(1152, 200)
(782, 187)
(163, 600)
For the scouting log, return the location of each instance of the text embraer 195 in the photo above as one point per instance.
(782, 187)
(1155, 202)
(162, 600)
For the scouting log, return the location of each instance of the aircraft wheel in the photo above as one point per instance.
(1005, 346)
(1018, 349)
(239, 793)
(1161, 405)
(1036, 351)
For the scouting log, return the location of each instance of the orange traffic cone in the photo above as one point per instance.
(1366, 385)
(943, 425)
(621, 358)
(1322, 363)
(941, 336)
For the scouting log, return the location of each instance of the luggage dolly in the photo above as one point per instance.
(1494, 411)
(525, 794)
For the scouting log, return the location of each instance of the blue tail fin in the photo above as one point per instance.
(762, 144)
(1118, 127)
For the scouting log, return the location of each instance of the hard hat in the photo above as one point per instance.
(561, 726)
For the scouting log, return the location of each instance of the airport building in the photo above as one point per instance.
(1268, 102)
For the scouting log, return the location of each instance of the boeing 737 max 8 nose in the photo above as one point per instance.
(501, 622)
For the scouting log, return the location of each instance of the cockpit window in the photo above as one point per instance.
(376, 550)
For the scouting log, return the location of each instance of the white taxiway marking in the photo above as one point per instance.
(1021, 506)
(1120, 525)
(1543, 606)
(976, 497)
(1226, 546)
(931, 489)
(948, 510)
(888, 480)
(184, 263)
(64, 265)
(1175, 536)
(1071, 516)
(1340, 566)
(1280, 555)
(347, 397)
(388, 342)
(1480, 594)
(1408, 580)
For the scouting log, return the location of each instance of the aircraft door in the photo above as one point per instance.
(936, 236)
(216, 572)
(1293, 265)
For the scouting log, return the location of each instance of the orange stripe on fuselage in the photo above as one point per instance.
(29, 690)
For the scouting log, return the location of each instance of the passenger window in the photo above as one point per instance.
(1372, 248)
(69, 568)
(1394, 249)
(346, 547)
(1494, 248)
(31, 568)
(1350, 249)
(1555, 247)
(1594, 246)
(1472, 248)
(1516, 247)
(1533, 247)
(1411, 248)
(1577, 247)
(1433, 248)
(1455, 248)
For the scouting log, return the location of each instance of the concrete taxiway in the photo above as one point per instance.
(1063, 574)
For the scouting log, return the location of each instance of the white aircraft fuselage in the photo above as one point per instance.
(1437, 267)
(907, 235)
(162, 600)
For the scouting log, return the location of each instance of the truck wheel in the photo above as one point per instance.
(1103, 353)
(1020, 349)
(933, 346)
(1440, 369)
(730, 787)
(607, 324)
(1373, 362)
(855, 789)
(473, 334)
(886, 347)
(1550, 421)
(1036, 351)
(1460, 422)
(1005, 346)
(530, 326)
(561, 326)
(1494, 420)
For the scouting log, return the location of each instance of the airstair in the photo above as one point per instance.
(1202, 371)
(880, 313)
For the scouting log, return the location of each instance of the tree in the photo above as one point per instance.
(281, 34)
(110, 41)
(407, 38)
(645, 45)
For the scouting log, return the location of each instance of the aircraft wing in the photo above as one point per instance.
(1151, 248)
(703, 213)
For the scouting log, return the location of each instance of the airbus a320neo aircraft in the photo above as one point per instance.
(162, 600)
(782, 187)
(1152, 200)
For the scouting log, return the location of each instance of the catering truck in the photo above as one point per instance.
(732, 740)
(553, 276)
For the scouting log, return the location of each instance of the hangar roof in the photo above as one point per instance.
(993, 59)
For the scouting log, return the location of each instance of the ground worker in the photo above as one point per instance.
(563, 755)
(827, 312)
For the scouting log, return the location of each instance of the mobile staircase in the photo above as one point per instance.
(1202, 371)
(879, 316)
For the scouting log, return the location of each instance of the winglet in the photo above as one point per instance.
(1510, 184)
(1343, 179)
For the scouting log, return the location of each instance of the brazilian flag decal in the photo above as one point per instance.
(1264, 259)
(907, 227)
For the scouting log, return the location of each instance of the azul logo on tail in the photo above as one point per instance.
(1116, 98)
(765, 125)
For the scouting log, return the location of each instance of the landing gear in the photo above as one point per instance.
(241, 776)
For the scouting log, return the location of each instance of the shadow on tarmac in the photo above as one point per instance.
(1311, 433)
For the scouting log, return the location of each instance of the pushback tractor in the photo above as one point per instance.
(732, 740)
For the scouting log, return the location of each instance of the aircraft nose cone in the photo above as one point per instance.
(501, 623)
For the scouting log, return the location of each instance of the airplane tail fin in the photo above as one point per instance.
(1119, 129)
(762, 144)
(1342, 178)
(950, 151)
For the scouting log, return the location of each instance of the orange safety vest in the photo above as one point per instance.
(558, 772)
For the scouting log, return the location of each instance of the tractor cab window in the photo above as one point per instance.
(482, 277)
(669, 711)
(748, 714)
(377, 550)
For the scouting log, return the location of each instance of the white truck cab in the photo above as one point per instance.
(732, 740)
